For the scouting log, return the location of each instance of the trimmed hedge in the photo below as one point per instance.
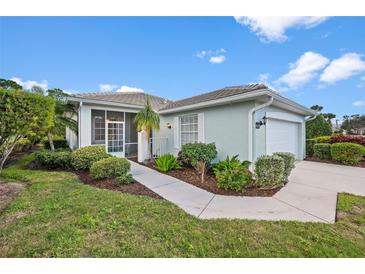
(356, 139)
(309, 144)
(84, 157)
(125, 179)
(111, 167)
(322, 151)
(323, 139)
(54, 159)
(289, 159)
(269, 171)
(58, 143)
(347, 153)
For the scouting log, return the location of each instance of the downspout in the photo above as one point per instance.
(250, 127)
(312, 117)
(79, 124)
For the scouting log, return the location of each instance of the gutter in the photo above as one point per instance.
(312, 117)
(250, 127)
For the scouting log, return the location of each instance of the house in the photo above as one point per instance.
(249, 120)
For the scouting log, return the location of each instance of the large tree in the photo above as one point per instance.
(9, 84)
(353, 122)
(20, 114)
(147, 120)
(63, 117)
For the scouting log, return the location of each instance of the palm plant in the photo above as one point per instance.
(63, 117)
(147, 120)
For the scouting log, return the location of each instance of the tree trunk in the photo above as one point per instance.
(50, 140)
(6, 154)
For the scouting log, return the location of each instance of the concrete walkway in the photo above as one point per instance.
(310, 195)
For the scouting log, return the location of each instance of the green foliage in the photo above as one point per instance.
(231, 174)
(323, 139)
(347, 153)
(353, 122)
(9, 85)
(322, 151)
(318, 127)
(23, 144)
(167, 162)
(111, 167)
(54, 159)
(309, 144)
(84, 157)
(289, 159)
(125, 179)
(199, 155)
(22, 114)
(58, 143)
(269, 171)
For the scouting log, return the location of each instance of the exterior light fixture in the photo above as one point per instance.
(168, 125)
(261, 123)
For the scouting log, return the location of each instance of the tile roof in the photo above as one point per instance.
(214, 95)
(129, 98)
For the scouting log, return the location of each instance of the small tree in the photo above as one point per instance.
(21, 113)
(147, 120)
(63, 115)
(318, 127)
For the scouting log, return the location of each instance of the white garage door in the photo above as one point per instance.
(282, 136)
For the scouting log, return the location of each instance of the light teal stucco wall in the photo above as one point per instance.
(225, 125)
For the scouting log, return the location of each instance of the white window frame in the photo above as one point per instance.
(189, 132)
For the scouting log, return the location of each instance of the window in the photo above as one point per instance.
(97, 126)
(189, 129)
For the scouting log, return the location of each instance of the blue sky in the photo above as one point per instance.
(310, 60)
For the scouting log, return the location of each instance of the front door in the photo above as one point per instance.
(115, 138)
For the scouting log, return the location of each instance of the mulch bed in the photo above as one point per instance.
(134, 188)
(190, 175)
(315, 159)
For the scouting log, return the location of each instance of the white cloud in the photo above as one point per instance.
(273, 28)
(30, 83)
(215, 56)
(107, 87)
(264, 78)
(129, 89)
(359, 104)
(303, 70)
(217, 59)
(342, 68)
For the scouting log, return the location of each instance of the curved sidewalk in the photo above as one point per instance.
(310, 195)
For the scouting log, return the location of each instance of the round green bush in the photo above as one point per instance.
(289, 159)
(125, 179)
(84, 157)
(269, 171)
(322, 151)
(111, 167)
(347, 153)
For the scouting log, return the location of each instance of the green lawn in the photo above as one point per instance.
(57, 216)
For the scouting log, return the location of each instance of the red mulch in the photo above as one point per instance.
(190, 175)
(315, 159)
(134, 188)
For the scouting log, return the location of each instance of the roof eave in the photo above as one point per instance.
(102, 102)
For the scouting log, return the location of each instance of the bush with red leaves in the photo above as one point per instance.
(348, 138)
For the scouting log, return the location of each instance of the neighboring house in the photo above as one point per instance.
(249, 120)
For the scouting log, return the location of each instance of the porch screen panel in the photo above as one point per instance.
(97, 126)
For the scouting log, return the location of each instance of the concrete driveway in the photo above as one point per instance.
(310, 195)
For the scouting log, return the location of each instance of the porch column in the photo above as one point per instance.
(143, 142)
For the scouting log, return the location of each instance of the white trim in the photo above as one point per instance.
(201, 129)
(107, 122)
(283, 116)
(176, 129)
(103, 102)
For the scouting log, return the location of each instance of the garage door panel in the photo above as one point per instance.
(282, 136)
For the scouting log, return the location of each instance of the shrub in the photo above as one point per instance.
(232, 174)
(124, 179)
(182, 159)
(58, 143)
(322, 151)
(269, 171)
(309, 146)
(289, 159)
(323, 139)
(318, 127)
(200, 155)
(84, 157)
(54, 159)
(356, 139)
(111, 167)
(23, 144)
(347, 153)
(166, 163)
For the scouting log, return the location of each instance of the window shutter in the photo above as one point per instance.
(201, 136)
(176, 130)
